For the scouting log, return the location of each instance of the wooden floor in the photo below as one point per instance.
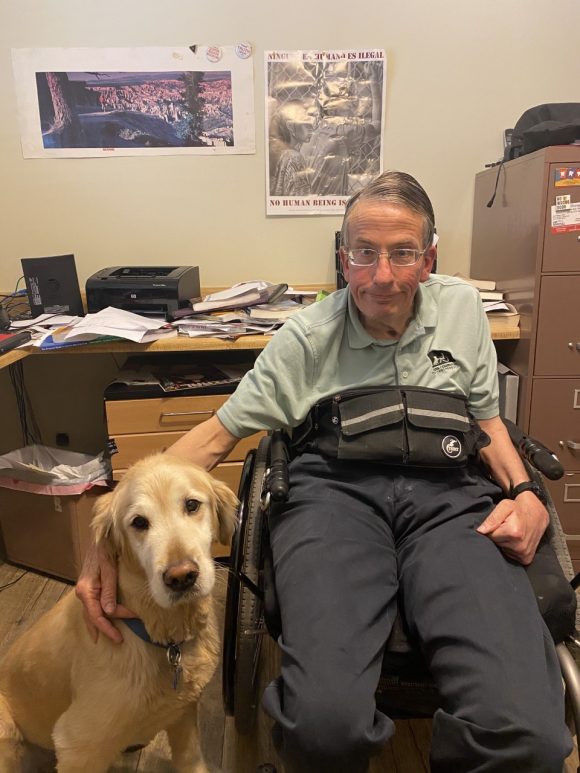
(25, 595)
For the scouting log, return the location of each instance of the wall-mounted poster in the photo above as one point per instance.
(75, 102)
(324, 127)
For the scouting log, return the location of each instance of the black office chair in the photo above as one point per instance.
(405, 689)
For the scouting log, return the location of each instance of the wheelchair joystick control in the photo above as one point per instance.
(538, 455)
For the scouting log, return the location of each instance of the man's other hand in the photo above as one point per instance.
(97, 590)
(516, 526)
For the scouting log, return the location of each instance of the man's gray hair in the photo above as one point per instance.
(394, 188)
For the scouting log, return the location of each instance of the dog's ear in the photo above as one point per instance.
(227, 511)
(102, 523)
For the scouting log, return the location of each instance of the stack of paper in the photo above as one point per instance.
(502, 316)
(276, 312)
(105, 325)
(241, 295)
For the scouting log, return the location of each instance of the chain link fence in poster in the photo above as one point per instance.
(324, 127)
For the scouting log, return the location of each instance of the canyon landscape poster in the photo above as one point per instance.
(203, 106)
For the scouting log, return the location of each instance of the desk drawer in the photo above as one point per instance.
(555, 417)
(136, 446)
(160, 413)
(228, 472)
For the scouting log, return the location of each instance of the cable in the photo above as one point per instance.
(28, 425)
(13, 582)
(490, 202)
(16, 291)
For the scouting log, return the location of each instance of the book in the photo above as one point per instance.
(480, 284)
(48, 342)
(491, 295)
(10, 341)
(276, 311)
(251, 297)
(196, 377)
(502, 317)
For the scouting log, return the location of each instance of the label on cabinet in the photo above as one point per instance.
(565, 220)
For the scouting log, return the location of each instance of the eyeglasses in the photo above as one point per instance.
(398, 257)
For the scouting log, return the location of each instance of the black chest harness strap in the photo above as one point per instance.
(396, 425)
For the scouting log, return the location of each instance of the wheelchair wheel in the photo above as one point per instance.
(244, 609)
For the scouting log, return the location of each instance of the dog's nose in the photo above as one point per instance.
(181, 576)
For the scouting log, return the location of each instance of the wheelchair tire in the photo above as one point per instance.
(250, 621)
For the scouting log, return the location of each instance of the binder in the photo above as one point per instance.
(509, 384)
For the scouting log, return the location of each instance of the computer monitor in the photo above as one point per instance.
(52, 285)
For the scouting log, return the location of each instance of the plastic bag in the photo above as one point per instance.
(53, 471)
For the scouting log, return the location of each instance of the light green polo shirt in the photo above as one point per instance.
(325, 350)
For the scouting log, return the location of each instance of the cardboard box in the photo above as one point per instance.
(47, 533)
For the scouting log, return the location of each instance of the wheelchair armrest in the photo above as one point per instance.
(536, 454)
(278, 475)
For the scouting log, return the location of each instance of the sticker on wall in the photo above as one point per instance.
(566, 220)
(244, 50)
(213, 53)
(565, 176)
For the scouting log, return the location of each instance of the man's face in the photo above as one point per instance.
(384, 294)
(301, 123)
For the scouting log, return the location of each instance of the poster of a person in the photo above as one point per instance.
(324, 120)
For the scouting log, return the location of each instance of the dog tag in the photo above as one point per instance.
(174, 658)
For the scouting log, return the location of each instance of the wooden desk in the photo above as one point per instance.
(179, 344)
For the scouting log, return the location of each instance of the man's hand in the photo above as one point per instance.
(97, 590)
(516, 526)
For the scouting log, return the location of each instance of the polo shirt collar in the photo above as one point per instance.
(425, 317)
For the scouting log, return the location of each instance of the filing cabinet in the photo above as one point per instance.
(528, 240)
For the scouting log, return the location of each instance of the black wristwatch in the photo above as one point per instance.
(528, 485)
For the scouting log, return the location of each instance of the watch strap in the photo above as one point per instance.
(527, 485)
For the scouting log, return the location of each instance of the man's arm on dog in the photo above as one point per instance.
(205, 444)
(97, 590)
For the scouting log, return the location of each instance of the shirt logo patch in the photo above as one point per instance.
(441, 361)
(451, 446)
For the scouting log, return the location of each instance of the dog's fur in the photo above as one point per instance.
(58, 689)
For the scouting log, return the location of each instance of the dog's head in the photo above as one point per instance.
(161, 520)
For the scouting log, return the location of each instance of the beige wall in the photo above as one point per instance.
(459, 72)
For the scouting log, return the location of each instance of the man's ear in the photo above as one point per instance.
(103, 523)
(344, 262)
(226, 511)
(428, 261)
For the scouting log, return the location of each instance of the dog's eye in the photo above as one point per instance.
(192, 505)
(140, 523)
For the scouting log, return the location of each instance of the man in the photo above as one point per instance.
(354, 534)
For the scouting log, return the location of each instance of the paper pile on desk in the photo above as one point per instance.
(105, 325)
(230, 325)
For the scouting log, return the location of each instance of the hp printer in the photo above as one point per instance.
(149, 290)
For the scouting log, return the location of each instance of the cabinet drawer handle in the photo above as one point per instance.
(572, 445)
(188, 413)
(574, 346)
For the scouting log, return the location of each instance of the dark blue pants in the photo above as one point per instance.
(351, 537)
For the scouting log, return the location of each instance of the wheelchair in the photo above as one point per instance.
(405, 689)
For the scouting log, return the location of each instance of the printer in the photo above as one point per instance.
(148, 290)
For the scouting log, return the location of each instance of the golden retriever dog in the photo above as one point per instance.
(90, 701)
